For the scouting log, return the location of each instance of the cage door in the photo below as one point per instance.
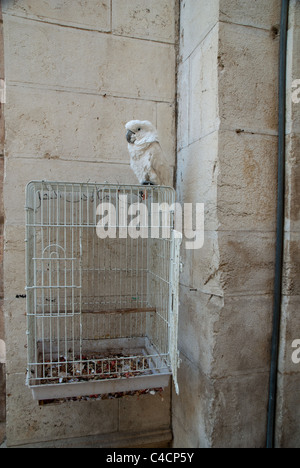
(174, 305)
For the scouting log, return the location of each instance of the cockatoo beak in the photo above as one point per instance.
(129, 135)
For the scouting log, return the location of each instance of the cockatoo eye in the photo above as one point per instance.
(139, 129)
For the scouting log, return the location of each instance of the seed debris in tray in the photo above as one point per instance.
(93, 368)
(106, 396)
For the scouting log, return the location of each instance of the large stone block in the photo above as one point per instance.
(263, 14)
(191, 408)
(88, 61)
(197, 314)
(197, 18)
(2, 74)
(248, 71)
(74, 126)
(292, 207)
(16, 338)
(203, 89)
(145, 412)
(14, 288)
(2, 333)
(166, 127)
(288, 412)
(247, 262)
(14, 260)
(247, 181)
(2, 131)
(81, 14)
(19, 172)
(239, 405)
(2, 397)
(289, 332)
(2, 350)
(207, 266)
(293, 69)
(241, 346)
(155, 20)
(291, 264)
(1, 191)
(183, 77)
(197, 176)
(1, 270)
(27, 422)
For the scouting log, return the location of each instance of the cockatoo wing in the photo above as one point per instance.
(159, 165)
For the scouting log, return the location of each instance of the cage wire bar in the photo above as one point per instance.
(102, 272)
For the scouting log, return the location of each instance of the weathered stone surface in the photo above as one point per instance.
(145, 412)
(197, 176)
(54, 170)
(1, 194)
(1, 268)
(292, 206)
(2, 435)
(16, 339)
(57, 125)
(197, 18)
(239, 406)
(288, 412)
(14, 258)
(145, 439)
(191, 411)
(247, 262)
(203, 106)
(293, 69)
(78, 13)
(183, 104)
(166, 127)
(41, 423)
(207, 269)
(247, 188)
(2, 395)
(88, 61)
(291, 267)
(262, 14)
(248, 67)
(239, 344)
(154, 20)
(2, 330)
(2, 352)
(2, 73)
(197, 314)
(289, 332)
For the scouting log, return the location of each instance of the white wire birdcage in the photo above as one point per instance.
(102, 264)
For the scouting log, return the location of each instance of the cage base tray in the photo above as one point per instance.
(98, 387)
(151, 378)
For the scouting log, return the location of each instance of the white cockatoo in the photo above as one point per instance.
(146, 156)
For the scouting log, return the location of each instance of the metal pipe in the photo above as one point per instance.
(280, 226)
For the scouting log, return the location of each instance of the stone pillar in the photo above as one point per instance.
(227, 159)
(2, 331)
(288, 402)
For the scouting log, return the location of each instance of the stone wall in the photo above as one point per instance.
(227, 159)
(75, 75)
(76, 72)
